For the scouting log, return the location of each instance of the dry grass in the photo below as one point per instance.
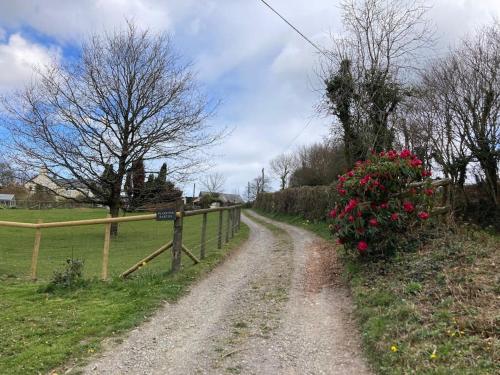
(439, 306)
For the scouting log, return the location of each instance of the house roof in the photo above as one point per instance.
(7, 197)
(63, 183)
(224, 197)
(69, 184)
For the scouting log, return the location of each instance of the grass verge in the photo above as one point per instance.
(40, 332)
(135, 241)
(432, 311)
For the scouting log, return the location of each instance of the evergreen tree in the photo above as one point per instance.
(341, 94)
(138, 177)
(162, 175)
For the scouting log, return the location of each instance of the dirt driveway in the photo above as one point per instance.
(274, 307)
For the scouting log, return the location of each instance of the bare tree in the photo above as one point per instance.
(429, 130)
(318, 164)
(477, 103)
(7, 174)
(258, 186)
(214, 182)
(282, 166)
(467, 83)
(127, 98)
(364, 75)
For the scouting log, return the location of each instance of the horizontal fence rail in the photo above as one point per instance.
(176, 245)
(110, 220)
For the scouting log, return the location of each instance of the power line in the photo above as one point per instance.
(295, 29)
(298, 135)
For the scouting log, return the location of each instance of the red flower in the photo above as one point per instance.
(359, 214)
(351, 218)
(364, 180)
(405, 154)
(373, 222)
(362, 246)
(382, 153)
(416, 162)
(395, 216)
(392, 154)
(341, 215)
(342, 179)
(333, 213)
(350, 174)
(429, 192)
(423, 215)
(384, 206)
(408, 207)
(426, 173)
(351, 205)
(342, 191)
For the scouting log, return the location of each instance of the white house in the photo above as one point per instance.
(7, 200)
(63, 188)
(221, 199)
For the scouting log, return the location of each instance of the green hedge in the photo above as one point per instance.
(310, 202)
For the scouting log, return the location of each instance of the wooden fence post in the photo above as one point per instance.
(219, 230)
(233, 220)
(228, 224)
(105, 250)
(203, 236)
(239, 218)
(177, 240)
(36, 251)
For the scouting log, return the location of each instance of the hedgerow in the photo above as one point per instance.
(310, 202)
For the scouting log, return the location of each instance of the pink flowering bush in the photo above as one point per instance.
(377, 206)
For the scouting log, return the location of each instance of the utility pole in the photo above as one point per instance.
(262, 190)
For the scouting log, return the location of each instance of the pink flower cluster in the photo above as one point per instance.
(369, 206)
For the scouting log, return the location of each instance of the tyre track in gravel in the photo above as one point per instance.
(259, 312)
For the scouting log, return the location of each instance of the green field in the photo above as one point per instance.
(135, 241)
(42, 331)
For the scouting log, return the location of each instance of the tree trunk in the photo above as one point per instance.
(114, 210)
(490, 171)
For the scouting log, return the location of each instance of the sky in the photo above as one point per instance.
(262, 72)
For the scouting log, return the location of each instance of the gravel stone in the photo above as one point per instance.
(275, 306)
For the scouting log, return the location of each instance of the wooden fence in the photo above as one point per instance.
(177, 247)
(43, 205)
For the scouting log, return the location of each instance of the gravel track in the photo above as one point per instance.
(273, 307)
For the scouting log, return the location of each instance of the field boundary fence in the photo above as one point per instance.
(225, 232)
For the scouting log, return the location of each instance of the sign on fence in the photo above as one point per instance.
(166, 214)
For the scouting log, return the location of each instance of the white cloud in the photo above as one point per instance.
(246, 56)
(456, 18)
(18, 57)
(70, 20)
